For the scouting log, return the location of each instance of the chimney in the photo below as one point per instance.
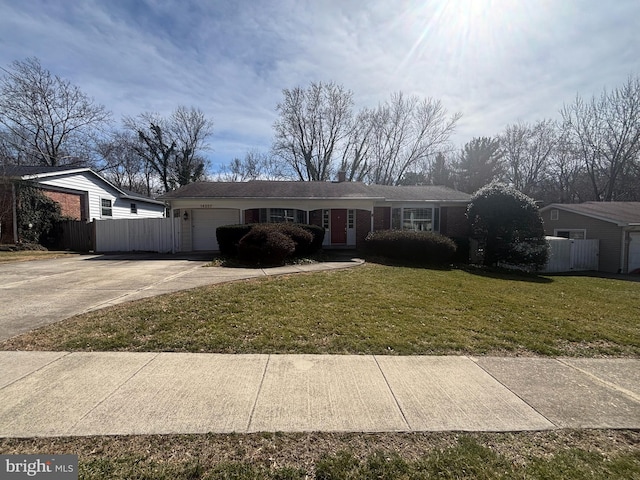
(342, 176)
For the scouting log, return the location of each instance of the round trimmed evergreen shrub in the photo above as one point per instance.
(301, 237)
(508, 228)
(229, 236)
(308, 238)
(318, 236)
(424, 248)
(265, 245)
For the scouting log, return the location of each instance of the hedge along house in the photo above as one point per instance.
(615, 224)
(347, 210)
(81, 193)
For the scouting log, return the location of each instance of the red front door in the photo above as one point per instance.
(338, 227)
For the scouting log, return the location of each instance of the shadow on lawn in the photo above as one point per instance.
(503, 274)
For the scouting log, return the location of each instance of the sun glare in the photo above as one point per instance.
(462, 31)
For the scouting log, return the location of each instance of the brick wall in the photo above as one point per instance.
(252, 216)
(70, 203)
(363, 226)
(381, 218)
(453, 222)
(315, 217)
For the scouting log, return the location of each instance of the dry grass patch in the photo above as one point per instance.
(28, 255)
(531, 455)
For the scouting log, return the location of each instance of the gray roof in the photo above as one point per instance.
(22, 170)
(311, 190)
(621, 213)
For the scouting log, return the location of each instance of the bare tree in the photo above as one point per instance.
(405, 132)
(51, 122)
(254, 166)
(527, 150)
(605, 132)
(355, 161)
(124, 167)
(172, 146)
(311, 126)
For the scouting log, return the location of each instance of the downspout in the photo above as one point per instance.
(15, 212)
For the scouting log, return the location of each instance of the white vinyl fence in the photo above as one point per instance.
(135, 235)
(568, 255)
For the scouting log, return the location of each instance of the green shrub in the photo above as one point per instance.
(229, 236)
(265, 245)
(301, 237)
(318, 236)
(308, 238)
(508, 228)
(408, 245)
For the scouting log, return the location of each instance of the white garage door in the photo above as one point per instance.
(634, 252)
(204, 223)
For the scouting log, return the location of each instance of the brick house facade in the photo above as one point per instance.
(347, 210)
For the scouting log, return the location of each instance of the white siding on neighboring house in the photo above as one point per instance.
(122, 209)
(98, 189)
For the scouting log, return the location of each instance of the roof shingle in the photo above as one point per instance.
(282, 189)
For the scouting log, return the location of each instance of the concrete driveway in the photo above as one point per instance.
(36, 293)
(33, 294)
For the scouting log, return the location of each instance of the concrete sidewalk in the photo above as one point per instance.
(113, 393)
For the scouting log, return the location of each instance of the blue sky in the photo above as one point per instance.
(496, 61)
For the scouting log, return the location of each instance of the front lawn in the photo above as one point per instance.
(373, 309)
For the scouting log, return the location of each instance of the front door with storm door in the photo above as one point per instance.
(339, 227)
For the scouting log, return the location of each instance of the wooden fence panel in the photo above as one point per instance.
(76, 235)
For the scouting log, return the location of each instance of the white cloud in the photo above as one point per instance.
(497, 61)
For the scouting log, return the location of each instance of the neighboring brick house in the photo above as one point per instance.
(347, 210)
(615, 224)
(81, 193)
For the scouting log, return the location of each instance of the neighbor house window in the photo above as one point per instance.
(555, 214)
(107, 207)
(573, 234)
(134, 208)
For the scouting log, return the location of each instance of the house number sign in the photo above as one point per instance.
(206, 205)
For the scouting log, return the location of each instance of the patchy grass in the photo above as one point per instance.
(373, 309)
(28, 255)
(563, 454)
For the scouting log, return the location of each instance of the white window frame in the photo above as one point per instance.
(398, 220)
(103, 208)
(555, 214)
(571, 230)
